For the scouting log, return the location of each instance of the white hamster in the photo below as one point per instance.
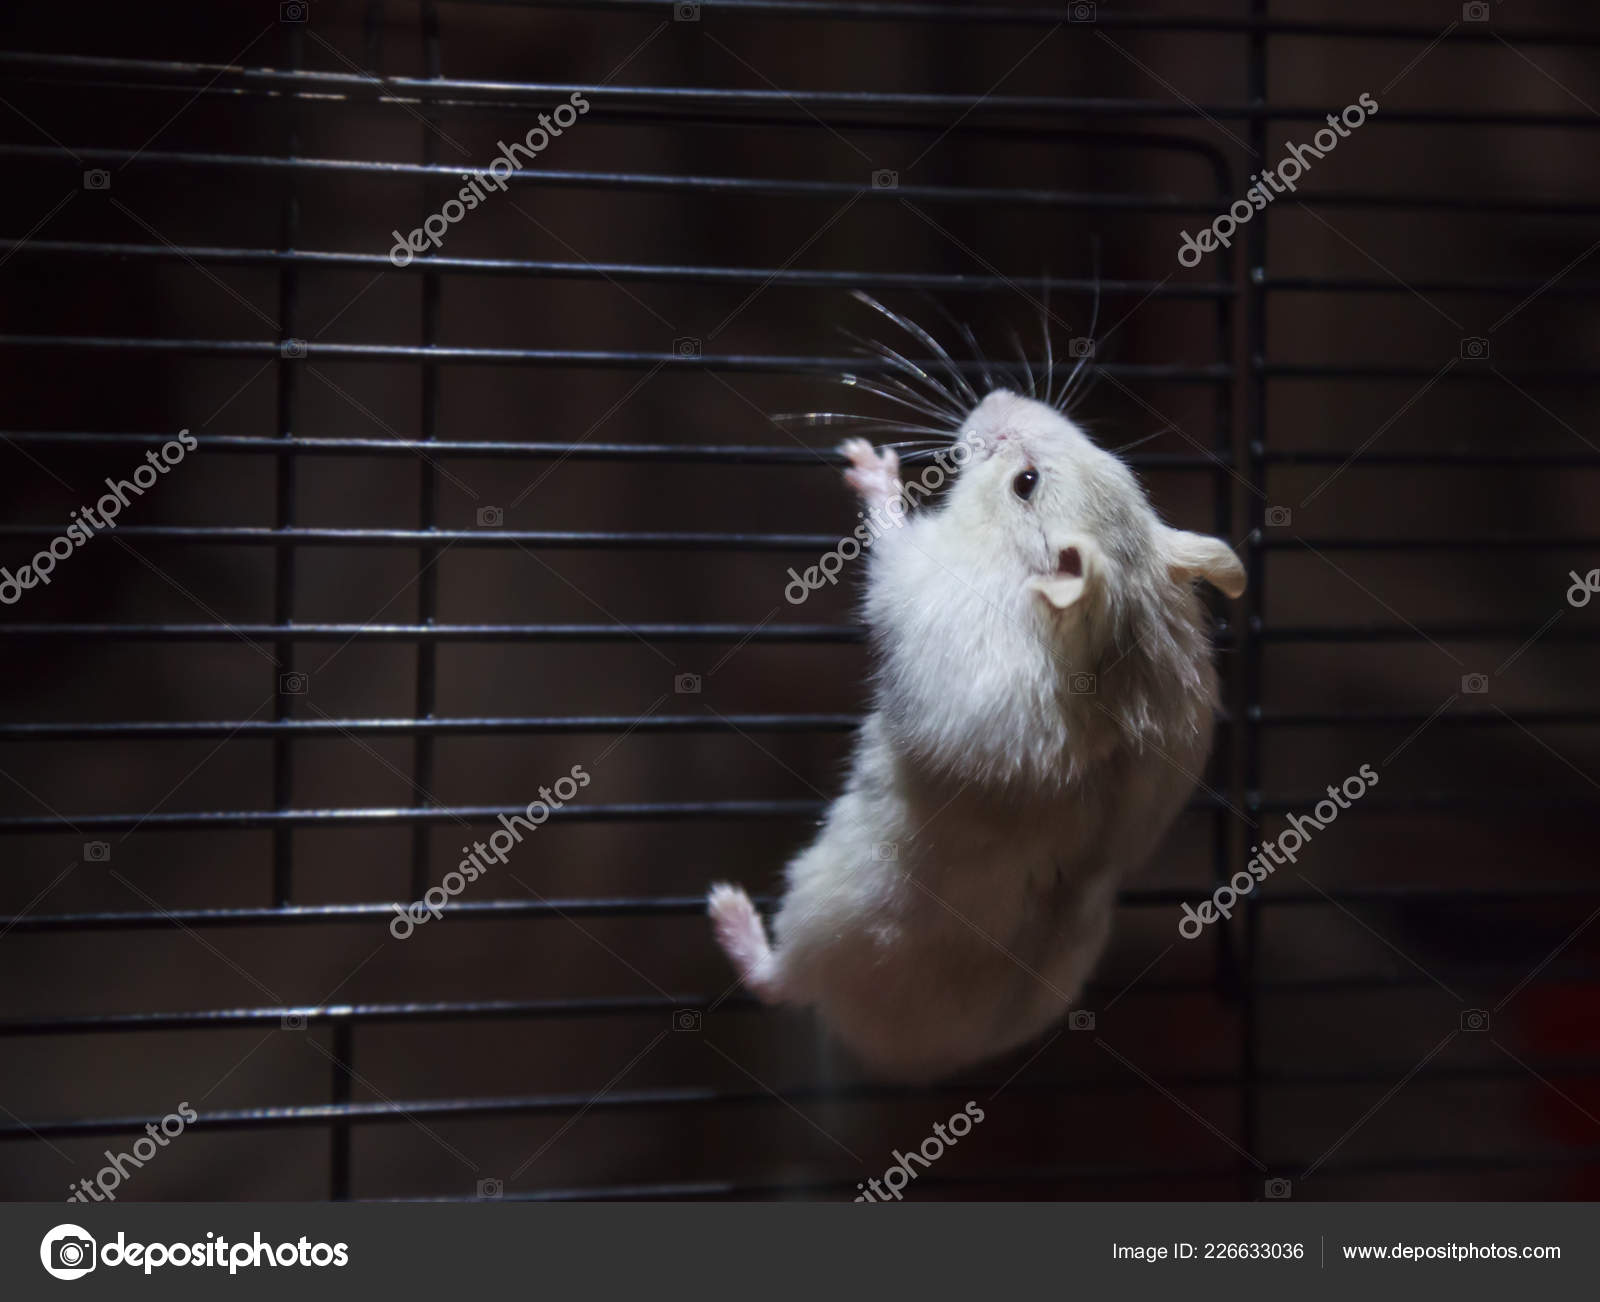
(1042, 705)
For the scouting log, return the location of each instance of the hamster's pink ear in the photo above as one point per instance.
(1078, 569)
(1193, 556)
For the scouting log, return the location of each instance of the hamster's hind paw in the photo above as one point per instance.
(743, 938)
(874, 475)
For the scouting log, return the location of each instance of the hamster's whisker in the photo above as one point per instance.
(909, 399)
(946, 406)
(1027, 366)
(1049, 353)
(1068, 391)
(965, 332)
(875, 348)
(1081, 391)
(922, 337)
(840, 417)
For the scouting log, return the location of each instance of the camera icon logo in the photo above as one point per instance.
(885, 850)
(293, 11)
(1081, 684)
(96, 851)
(1278, 1188)
(686, 13)
(1475, 684)
(292, 348)
(1279, 517)
(68, 1252)
(1475, 11)
(686, 684)
(97, 178)
(293, 684)
(490, 517)
(1082, 11)
(686, 347)
(491, 1188)
(687, 1019)
(1474, 349)
(1080, 1019)
(1474, 1019)
(293, 1021)
(884, 179)
(1080, 347)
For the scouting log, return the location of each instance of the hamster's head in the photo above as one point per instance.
(1044, 616)
(1069, 519)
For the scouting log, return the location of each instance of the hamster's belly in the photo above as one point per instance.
(955, 966)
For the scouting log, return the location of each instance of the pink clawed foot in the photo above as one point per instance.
(874, 475)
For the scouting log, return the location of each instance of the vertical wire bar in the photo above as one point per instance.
(1221, 771)
(284, 490)
(1227, 837)
(339, 1162)
(1249, 641)
(427, 488)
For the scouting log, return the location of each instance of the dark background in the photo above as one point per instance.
(529, 1038)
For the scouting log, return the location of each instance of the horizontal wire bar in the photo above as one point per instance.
(636, 811)
(1372, 632)
(895, 12)
(362, 913)
(308, 632)
(1522, 542)
(1546, 372)
(667, 101)
(246, 729)
(631, 106)
(1424, 285)
(1483, 804)
(677, 1097)
(630, 271)
(635, 359)
(802, 188)
(494, 536)
(407, 815)
(486, 536)
(302, 1016)
(554, 178)
(1442, 460)
(1388, 717)
(1480, 804)
(723, 454)
(562, 725)
(441, 632)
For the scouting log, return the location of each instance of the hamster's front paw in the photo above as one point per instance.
(874, 475)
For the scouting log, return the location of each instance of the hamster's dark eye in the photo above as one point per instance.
(1024, 484)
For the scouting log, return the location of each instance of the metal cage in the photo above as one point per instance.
(452, 525)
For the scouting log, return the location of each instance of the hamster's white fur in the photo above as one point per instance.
(1043, 702)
